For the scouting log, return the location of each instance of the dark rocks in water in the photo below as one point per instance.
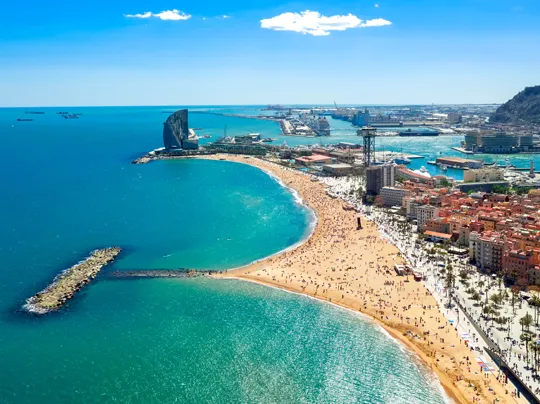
(69, 282)
(524, 108)
(160, 273)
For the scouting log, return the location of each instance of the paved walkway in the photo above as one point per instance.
(405, 237)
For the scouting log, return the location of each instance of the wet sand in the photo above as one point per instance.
(354, 269)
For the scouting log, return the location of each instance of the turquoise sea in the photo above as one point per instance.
(68, 188)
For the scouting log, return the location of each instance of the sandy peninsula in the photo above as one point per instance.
(354, 269)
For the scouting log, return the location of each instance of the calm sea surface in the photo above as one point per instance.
(68, 188)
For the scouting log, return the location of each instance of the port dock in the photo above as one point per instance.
(69, 282)
(462, 150)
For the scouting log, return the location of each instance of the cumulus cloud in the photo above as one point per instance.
(377, 22)
(168, 15)
(148, 14)
(313, 23)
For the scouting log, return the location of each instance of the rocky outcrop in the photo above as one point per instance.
(524, 108)
(69, 282)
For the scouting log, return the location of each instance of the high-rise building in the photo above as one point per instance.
(454, 117)
(378, 177)
(361, 118)
(176, 130)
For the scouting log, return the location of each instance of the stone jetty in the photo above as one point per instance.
(69, 282)
(144, 159)
(160, 273)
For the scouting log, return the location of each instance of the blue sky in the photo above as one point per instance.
(216, 52)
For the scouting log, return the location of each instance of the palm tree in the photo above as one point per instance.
(450, 282)
(514, 294)
(463, 275)
(526, 337)
(535, 301)
(494, 313)
(487, 310)
(526, 322)
(533, 346)
(476, 297)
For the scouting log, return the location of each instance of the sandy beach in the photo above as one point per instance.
(354, 269)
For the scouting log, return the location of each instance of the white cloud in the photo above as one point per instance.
(168, 15)
(148, 14)
(376, 5)
(313, 23)
(173, 15)
(225, 16)
(377, 22)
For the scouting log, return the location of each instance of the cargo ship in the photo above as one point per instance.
(24, 119)
(410, 132)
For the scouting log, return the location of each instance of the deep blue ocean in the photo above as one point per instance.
(68, 187)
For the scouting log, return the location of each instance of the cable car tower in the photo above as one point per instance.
(369, 134)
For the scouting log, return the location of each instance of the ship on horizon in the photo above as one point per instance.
(410, 132)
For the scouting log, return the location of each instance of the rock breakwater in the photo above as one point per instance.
(160, 273)
(69, 282)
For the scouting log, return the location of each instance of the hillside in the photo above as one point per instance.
(523, 108)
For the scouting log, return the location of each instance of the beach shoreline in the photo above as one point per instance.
(353, 268)
(445, 382)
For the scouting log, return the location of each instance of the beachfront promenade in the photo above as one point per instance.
(353, 268)
(505, 340)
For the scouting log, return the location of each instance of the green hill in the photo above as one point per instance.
(523, 108)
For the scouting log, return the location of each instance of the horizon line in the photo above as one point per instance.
(250, 105)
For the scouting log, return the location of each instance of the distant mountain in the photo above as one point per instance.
(523, 108)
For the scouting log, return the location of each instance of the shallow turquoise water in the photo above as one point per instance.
(204, 341)
(69, 188)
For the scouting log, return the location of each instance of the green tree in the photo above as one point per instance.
(497, 299)
(499, 189)
(450, 281)
(526, 337)
(533, 346)
(535, 302)
(513, 298)
(526, 322)
(445, 183)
